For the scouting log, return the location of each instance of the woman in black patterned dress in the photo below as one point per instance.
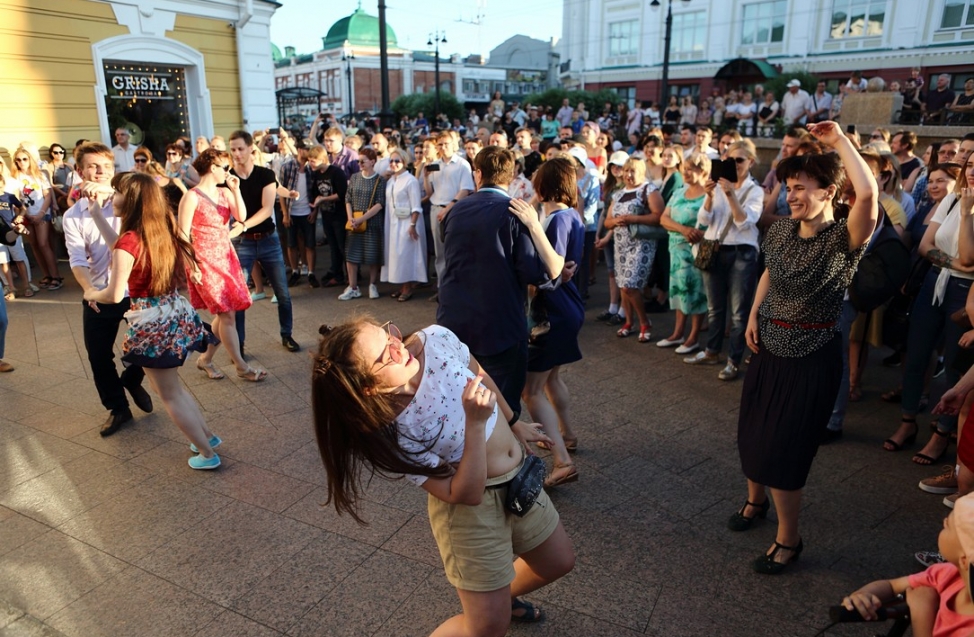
(366, 193)
(794, 376)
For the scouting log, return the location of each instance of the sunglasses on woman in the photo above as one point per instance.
(395, 161)
(57, 152)
(141, 160)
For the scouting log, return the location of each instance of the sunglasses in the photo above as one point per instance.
(225, 167)
(141, 160)
(395, 161)
(740, 160)
(21, 160)
(57, 152)
(170, 154)
(875, 137)
(392, 354)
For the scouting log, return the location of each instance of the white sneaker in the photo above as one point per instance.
(373, 292)
(729, 372)
(274, 299)
(349, 294)
(702, 358)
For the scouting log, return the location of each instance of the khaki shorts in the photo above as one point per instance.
(478, 544)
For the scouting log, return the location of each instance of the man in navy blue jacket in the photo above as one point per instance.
(490, 261)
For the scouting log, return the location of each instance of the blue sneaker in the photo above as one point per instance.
(214, 443)
(199, 462)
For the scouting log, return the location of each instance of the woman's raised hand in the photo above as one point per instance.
(233, 182)
(967, 201)
(828, 133)
(525, 212)
(478, 401)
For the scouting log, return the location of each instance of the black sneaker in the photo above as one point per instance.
(615, 319)
(293, 279)
(313, 280)
(290, 344)
(605, 316)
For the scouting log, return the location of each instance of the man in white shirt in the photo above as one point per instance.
(380, 145)
(794, 104)
(449, 179)
(90, 259)
(564, 115)
(702, 139)
(123, 151)
(819, 104)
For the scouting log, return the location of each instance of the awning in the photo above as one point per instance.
(289, 98)
(743, 67)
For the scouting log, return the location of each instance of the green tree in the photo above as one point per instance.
(780, 84)
(593, 100)
(415, 103)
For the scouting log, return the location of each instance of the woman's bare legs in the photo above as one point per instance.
(678, 327)
(560, 399)
(543, 412)
(181, 407)
(352, 274)
(489, 614)
(45, 254)
(696, 324)
(635, 299)
(36, 248)
(374, 271)
(225, 328)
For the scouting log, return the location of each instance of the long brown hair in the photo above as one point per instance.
(144, 211)
(354, 423)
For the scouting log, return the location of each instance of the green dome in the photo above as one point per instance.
(276, 53)
(360, 29)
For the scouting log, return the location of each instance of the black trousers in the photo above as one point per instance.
(100, 329)
(334, 227)
(509, 370)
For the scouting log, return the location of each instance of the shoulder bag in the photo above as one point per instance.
(360, 213)
(707, 249)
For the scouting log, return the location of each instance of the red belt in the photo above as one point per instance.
(256, 236)
(804, 326)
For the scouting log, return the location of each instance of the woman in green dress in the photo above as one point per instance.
(687, 293)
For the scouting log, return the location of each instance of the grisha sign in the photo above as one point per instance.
(135, 85)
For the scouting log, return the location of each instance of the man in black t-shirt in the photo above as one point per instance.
(329, 185)
(259, 242)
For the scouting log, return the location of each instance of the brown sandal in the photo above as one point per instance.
(210, 369)
(572, 476)
(571, 445)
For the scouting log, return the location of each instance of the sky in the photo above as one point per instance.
(415, 20)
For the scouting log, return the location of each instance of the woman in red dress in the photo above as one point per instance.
(204, 213)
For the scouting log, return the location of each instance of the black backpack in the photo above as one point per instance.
(882, 271)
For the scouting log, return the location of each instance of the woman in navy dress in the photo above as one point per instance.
(545, 392)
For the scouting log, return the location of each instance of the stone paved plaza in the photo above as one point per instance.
(117, 536)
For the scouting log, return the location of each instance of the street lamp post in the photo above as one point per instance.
(664, 89)
(436, 38)
(385, 116)
(347, 57)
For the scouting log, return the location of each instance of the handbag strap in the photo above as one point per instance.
(375, 187)
(730, 217)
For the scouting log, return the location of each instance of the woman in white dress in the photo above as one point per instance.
(405, 261)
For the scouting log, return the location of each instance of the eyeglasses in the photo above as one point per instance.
(141, 160)
(395, 161)
(172, 154)
(392, 354)
(740, 160)
(57, 152)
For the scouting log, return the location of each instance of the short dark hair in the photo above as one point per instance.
(826, 170)
(655, 139)
(496, 165)
(244, 135)
(556, 181)
(907, 138)
(689, 127)
(368, 153)
(91, 148)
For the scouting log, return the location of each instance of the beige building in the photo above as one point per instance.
(163, 68)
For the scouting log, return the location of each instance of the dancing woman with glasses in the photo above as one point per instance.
(204, 213)
(425, 409)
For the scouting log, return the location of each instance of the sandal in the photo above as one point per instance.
(855, 393)
(740, 522)
(210, 369)
(625, 330)
(925, 460)
(571, 445)
(56, 283)
(891, 445)
(45, 282)
(644, 333)
(571, 476)
(253, 375)
(402, 298)
(893, 395)
(28, 292)
(529, 613)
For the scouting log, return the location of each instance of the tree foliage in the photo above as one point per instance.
(779, 84)
(593, 100)
(415, 103)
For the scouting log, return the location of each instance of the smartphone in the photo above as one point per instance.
(851, 129)
(726, 168)
(273, 131)
(432, 168)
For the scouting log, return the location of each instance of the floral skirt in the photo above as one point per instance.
(162, 332)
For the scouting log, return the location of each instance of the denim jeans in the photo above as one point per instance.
(267, 252)
(582, 273)
(846, 319)
(928, 323)
(100, 329)
(730, 282)
(3, 324)
(509, 371)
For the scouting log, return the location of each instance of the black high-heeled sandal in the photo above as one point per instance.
(739, 522)
(924, 460)
(766, 564)
(891, 445)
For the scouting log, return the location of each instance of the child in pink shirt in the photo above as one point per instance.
(939, 597)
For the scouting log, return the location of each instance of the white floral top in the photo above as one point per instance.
(431, 428)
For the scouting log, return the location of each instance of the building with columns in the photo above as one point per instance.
(81, 68)
(619, 44)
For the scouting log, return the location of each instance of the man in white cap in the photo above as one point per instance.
(795, 104)
(939, 597)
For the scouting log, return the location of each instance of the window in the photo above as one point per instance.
(954, 12)
(764, 22)
(689, 32)
(623, 38)
(626, 94)
(857, 18)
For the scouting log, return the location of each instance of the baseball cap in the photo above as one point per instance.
(794, 82)
(619, 158)
(594, 126)
(579, 154)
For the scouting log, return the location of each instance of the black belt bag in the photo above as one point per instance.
(525, 487)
